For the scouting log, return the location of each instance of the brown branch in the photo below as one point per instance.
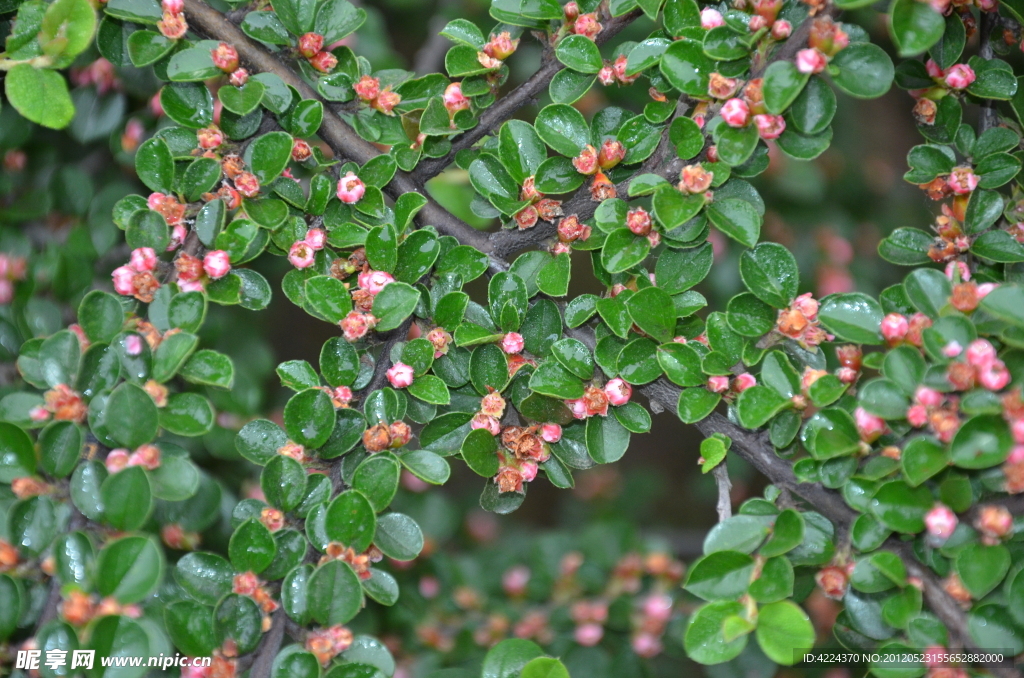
(506, 107)
(724, 485)
(262, 658)
(339, 136)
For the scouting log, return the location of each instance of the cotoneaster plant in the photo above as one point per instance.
(891, 429)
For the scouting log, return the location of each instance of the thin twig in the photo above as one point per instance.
(724, 485)
(270, 644)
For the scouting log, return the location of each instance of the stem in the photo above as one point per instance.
(989, 117)
(724, 506)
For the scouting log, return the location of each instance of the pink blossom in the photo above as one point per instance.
(551, 433)
(400, 375)
(959, 76)
(216, 264)
(190, 285)
(515, 580)
(980, 353)
(6, 291)
(117, 460)
(869, 426)
(895, 327)
(454, 99)
(962, 180)
(985, 288)
(917, 416)
(316, 238)
(512, 342)
(781, 29)
(486, 422)
(1017, 428)
(301, 254)
(1016, 455)
(658, 607)
(953, 266)
(40, 413)
(711, 18)
(124, 277)
(374, 281)
(606, 76)
(589, 635)
(351, 188)
(646, 645)
(810, 60)
(735, 112)
(807, 305)
(528, 470)
(995, 377)
(940, 522)
(928, 397)
(133, 344)
(143, 259)
(587, 25)
(578, 408)
(952, 349)
(934, 70)
(178, 235)
(744, 381)
(770, 126)
(718, 384)
(173, 6)
(618, 392)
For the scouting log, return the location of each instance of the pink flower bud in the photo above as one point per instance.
(571, 10)
(586, 161)
(209, 138)
(173, 6)
(238, 77)
(928, 397)
(618, 392)
(216, 264)
(551, 433)
(515, 580)
(512, 342)
(301, 254)
(501, 46)
(995, 377)
(985, 288)
(124, 277)
(960, 267)
(994, 522)
(847, 375)
(711, 18)
(588, 635)
(143, 259)
(316, 238)
(606, 76)
(770, 126)
(735, 112)
(578, 407)
(355, 325)
(324, 62)
(894, 327)
(959, 76)
(454, 99)
(587, 25)
(940, 522)
(810, 61)
(781, 29)
(917, 415)
(638, 221)
(351, 189)
(646, 645)
(611, 154)
(756, 23)
(952, 349)
(485, 421)
(869, 426)
(807, 305)
(117, 460)
(718, 384)
(528, 470)
(962, 180)
(225, 57)
(374, 281)
(301, 150)
(310, 44)
(980, 353)
(744, 381)
(400, 375)
(133, 345)
(172, 26)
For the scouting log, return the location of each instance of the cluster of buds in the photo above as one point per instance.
(100, 73)
(639, 222)
(613, 72)
(146, 456)
(833, 580)
(569, 230)
(595, 401)
(79, 608)
(326, 644)
(591, 160)
(966, 294)
(225, 57)
(355, 325)
(360, 562)
(957, 77)
(64, 404)
(826, 40)
(740, 111)
(440, 339)
(302, 253)
(497, 49)
(369, 91)
(248, 584)
(12, 269)
(539, 208)
(995, 523)
(523, 449)
(168, 207)
(589, 617)
(649, 624)
(370, 284)
(340, 396)
(933, 409)
(586, 25)
(492, 407)
(800, 322)
(173, 25)
(193, 271)
(731, 387)
(383, 436)
(980, 366)
(898, 329)
(311, 48)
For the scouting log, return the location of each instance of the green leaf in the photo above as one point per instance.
(982, 442)
(579, 53)
(737, 219)
(914, 27)
(852, 317)
(430, 389)
(129, 569)
(128, 498)
(812, 111)
(907, 246)
(770, 272)
(623, 250)
(544, 667)
(350, 520)
(377, 479)
(338, 19)
(757, 404)
(426, 466)
(563, 128)
(607, 439)
(155, 165)
(672, 208)
(394, 304)
(252, 547)
(309, 418)
(782, 84)
(865, 71)
(695, 404)
(784, 632)
(335, 595)
(551, 379)
(39, 95)
(722, 575)
(17, 454)
(678, 270)
(269, 154)
(900, 507)
(704, 640)
(210, 368)
(242, 100)
(147, 47)
(398, 537)
(131, 416)
(653, 312)
(982, 568)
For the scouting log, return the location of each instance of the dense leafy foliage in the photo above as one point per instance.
(891, 428)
